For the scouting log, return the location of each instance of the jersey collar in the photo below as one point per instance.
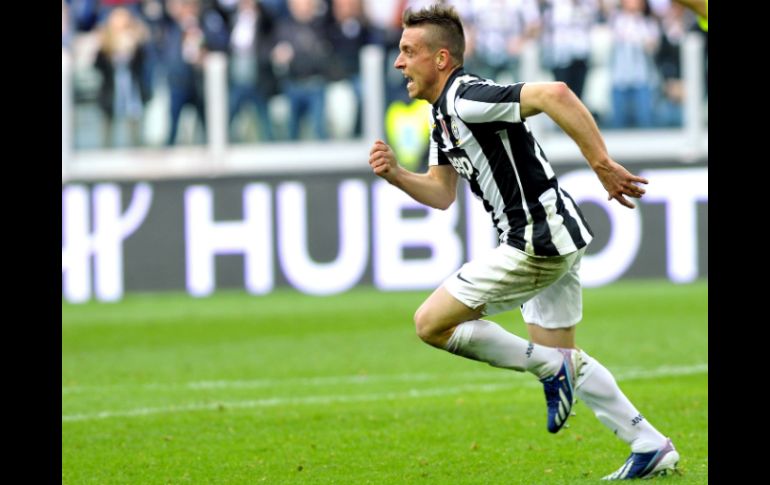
(457, 72)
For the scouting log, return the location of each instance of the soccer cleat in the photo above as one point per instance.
(560, 390)
(647, 465)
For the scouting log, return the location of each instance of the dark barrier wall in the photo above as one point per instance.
(325, 233)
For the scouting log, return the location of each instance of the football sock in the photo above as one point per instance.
(488, 342)
(599, 390)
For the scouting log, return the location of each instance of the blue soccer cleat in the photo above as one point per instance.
(560, 390)
(648, 465)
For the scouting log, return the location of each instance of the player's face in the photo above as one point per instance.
(417, 62)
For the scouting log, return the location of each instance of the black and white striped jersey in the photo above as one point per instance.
(476, 126)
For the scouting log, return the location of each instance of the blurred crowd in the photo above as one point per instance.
(141, 61)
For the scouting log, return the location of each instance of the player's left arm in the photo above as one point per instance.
(558, 101)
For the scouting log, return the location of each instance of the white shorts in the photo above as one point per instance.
(547, 288)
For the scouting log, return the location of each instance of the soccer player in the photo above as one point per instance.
(479, 132)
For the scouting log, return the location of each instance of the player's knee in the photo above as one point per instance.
(425, 326)
(420, 323)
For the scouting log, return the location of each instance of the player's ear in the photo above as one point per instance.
(442, 58)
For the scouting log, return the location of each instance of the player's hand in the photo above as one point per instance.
(383, 160)
(619, 183)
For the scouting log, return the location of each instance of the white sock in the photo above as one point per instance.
(599, 390)
(489, 342)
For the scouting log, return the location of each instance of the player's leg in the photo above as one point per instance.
(437, 317)
(500, 280)
(600, 391)
(446, 323)
(551, 318)
(597, 387)
(563, 338)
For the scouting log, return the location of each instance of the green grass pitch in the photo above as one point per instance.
(288, 388)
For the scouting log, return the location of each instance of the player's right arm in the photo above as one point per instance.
(436, 188)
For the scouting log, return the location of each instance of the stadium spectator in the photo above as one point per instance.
(671, 92)
(251, 74)
(501, 30)
(479, 131)
(300, 61)
(348, 34)
(154, 16)
(187, 39)
(120, 60)
(635, 39)
(566, 40)
(384, 18)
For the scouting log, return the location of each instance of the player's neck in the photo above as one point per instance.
(444, 77)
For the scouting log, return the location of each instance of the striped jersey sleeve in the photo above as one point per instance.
(436, 156)
(485, 101)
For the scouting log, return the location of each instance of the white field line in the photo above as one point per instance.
(665, 371)
(291, 382)
(629, 373)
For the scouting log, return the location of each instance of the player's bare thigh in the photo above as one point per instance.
(437, 317)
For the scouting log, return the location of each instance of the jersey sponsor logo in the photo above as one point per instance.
(462, 163)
